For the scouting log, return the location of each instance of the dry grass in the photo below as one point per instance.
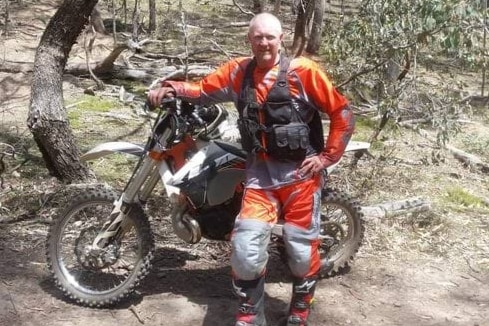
(407, 165)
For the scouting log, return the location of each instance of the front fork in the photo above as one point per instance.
(137, 191)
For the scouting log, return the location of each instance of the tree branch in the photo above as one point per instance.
(247, 12)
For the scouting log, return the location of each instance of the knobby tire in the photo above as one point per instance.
(93, 199)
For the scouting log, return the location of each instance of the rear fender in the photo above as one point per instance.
(352, 146)
(105, 149)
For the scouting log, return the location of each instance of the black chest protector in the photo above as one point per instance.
(285, 129)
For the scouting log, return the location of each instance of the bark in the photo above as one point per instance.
(47, 118)
(135, 21)
(152, 15)
(276, 7)
(97, 22)
(314, 42)
(304, 14)
(7, 11)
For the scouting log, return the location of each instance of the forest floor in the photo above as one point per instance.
(421, 269)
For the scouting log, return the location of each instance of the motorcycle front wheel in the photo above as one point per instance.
(342, 231)
(103, 276)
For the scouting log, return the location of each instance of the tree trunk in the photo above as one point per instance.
(152, 15)
(7, 11)
(314, 42)
(276, 7)
(259, 6)
(124, 11)
(304, 14)
(135, 22)
(47, 118)
(97, 22)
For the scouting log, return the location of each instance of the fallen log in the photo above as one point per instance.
(144, 74)
(16, 67)
(396, 208)
(469, 160)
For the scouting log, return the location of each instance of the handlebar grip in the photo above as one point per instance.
(198, 118)
(165, 103)
(167, 100)
(147, 106)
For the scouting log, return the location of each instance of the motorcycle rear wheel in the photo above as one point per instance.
(100, 279)
(342, 231)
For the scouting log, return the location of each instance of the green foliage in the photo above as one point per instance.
(460, 196)
(389, 35)
(475, 143)
(114, 169)
(87, 103)
(94, 103)
(386, 27)
(363, 128)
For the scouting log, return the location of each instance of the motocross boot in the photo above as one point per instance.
(302, 299)
(251, 295)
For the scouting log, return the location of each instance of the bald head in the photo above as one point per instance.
(265, 36)
(265, 19)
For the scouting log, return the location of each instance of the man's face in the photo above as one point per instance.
(265, 38)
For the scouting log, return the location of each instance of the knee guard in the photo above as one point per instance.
(249, 248)
(302, 250)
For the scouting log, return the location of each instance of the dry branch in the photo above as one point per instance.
(244, 11)
(396, 208)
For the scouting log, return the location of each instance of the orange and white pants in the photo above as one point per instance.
(299, 205)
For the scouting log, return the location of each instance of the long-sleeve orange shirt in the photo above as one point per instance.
(308, 83)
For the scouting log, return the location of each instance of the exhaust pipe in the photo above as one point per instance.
(185, 226)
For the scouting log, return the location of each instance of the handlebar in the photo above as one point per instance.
(196, 114)
(163, 105)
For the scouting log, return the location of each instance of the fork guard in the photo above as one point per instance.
(105, 149)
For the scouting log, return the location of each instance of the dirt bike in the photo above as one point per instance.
(101, 245)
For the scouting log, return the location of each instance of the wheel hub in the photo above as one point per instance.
(93, 257)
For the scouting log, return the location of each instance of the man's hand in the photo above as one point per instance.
(156, 96)
(311, 165)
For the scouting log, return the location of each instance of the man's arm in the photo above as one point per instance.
(325, 96)
(217, 87)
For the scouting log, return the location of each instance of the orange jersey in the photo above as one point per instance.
(308, 84)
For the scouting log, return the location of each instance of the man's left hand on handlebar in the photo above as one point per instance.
(156, 96)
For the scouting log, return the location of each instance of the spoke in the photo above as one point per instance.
(80, 261)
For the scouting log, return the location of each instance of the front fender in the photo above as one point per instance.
(105, 149)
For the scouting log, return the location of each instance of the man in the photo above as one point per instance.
(279, 104)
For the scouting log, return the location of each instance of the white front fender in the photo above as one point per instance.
(105, 149)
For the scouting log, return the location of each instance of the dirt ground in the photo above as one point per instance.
(392, 282)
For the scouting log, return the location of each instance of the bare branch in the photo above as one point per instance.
(244, 11)
(220, 48)
(363, 72)
(88, 51)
